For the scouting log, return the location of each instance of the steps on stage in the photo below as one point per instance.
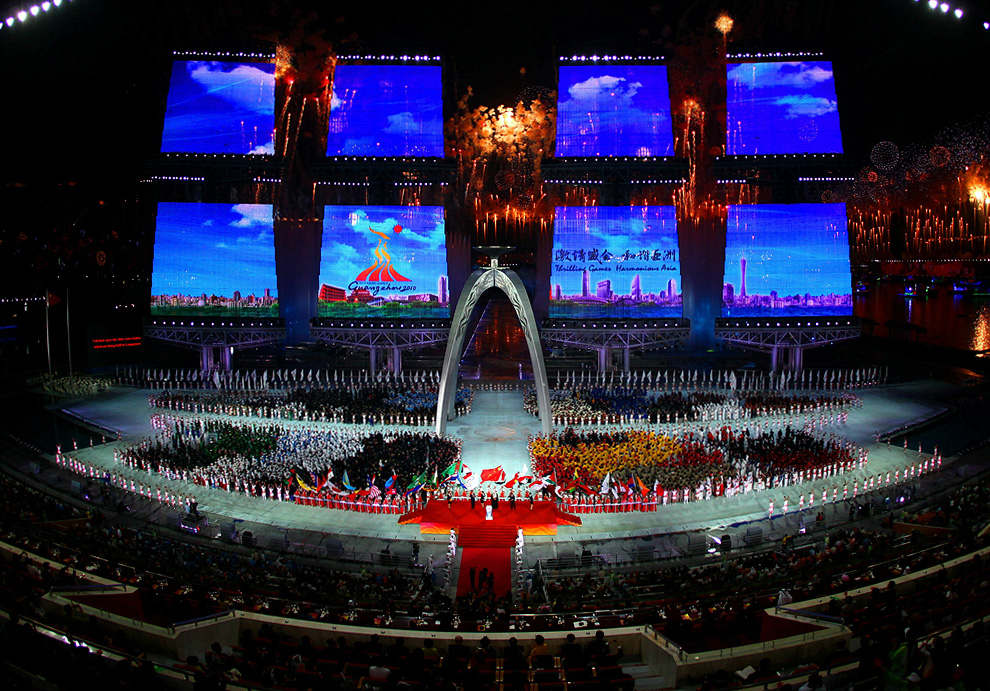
(440, 516)
(486, 534)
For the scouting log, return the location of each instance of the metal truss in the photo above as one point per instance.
(197, 335)
(354, 170)
(767, 338)
(801, 177)
(615, 170)
(392, 335)
(215, 168)
(385, 171)
(632, 335)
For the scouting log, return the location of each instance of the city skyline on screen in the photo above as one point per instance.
(613, 110)
(207, 251)
(786, 260)
(384, 261)
(620, 262)
(386, 110)
(220, 107)
(782, 108)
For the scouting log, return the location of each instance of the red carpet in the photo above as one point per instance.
(542, 519)
(487, 534)
(495, 559)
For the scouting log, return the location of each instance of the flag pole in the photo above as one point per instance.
(68, 338)
(48, 345)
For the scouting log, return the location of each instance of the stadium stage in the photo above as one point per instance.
(495, 433)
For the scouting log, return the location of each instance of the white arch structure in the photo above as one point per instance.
(478, 282)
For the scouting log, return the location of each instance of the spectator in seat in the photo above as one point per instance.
(571, 651)
(430, 654)
(398, 650)
(597, 648)
(458, 651)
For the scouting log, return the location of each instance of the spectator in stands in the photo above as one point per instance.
(570, 652)
(597, 648)
(458, 651)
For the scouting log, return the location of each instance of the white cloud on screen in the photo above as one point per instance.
(252, 215)
(401, 123)
(261, 149)
(618, 90)
(230, 84)
(799, 75)
(806, 106)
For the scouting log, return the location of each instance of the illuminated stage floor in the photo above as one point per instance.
(495, 433)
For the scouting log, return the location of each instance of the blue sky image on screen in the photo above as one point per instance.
(782, 108)
(384, 261)
(223, 251)
(220, 108)
(615, 261)
(386, 110)
(786, 260)
(613, 110)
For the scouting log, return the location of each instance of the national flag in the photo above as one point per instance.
(456, 476)
(493, 475)
(435, 478)
(390, 484)
(539, 483)
(642, 488)
(373, 490)
(418, 481)
(53, 299)
(452, 469)
(303, 483)
(606, 484)
(346, 483)
(517, 478)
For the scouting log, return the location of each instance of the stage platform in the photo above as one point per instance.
(439, 517)
(495, 433)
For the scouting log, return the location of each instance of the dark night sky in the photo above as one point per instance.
(84, 87)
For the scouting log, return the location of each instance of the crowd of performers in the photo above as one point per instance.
(599, 404)
(731, 380)
(393, 403)
(718, 443)
(692, 465)
(281, 461)
(252, 380)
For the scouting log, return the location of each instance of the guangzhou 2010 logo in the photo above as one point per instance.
(382, 269)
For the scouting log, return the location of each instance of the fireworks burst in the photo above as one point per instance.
(724, 23)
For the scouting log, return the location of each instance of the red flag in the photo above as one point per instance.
(642, 487)
(53, 299)
(493, 475)
(517, 478)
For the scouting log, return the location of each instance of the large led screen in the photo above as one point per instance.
(782, 108)
(214, 259)
(384, 261)
(220, 108)
(613, 110)
(615, 261)
(786, 260)
(386, 110)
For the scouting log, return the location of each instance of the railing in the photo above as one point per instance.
(806, 614)
(206, 618)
